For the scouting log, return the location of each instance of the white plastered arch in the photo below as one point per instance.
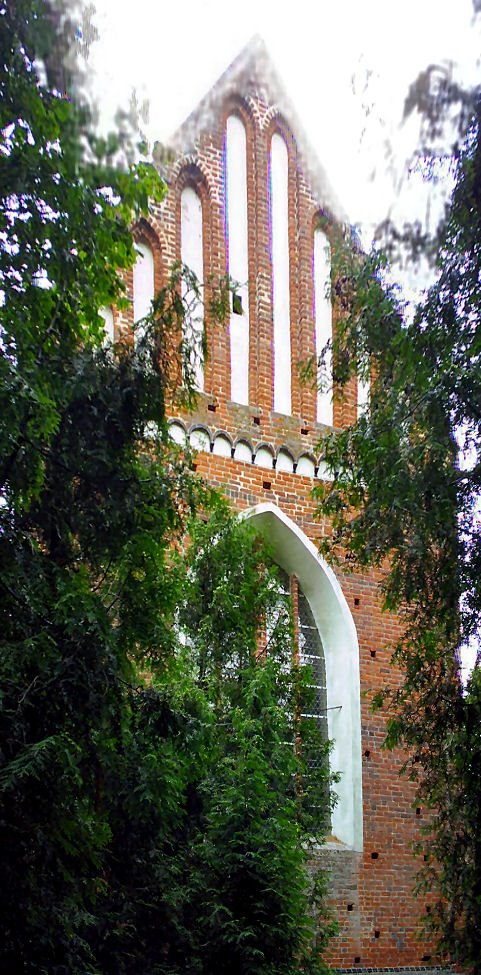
(297, 555)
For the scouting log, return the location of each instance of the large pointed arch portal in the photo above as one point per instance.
(297, 555)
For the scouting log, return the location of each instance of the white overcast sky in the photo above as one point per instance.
(172, 52)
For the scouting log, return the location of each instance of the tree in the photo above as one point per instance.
(230, 852)
(405, 498)
(151, 813)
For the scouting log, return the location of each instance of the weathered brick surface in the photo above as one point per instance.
(371, 891)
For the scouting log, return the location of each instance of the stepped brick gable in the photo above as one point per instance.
(247, 197)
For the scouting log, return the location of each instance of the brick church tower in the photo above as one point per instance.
(247, 197)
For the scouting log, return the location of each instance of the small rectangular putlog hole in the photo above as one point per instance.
(266, 485)
(357, 960)
(211, 407)
(350, 907)
(256, 420)
(426, 958)
(377, 934)
(374, 855)
(367, 753)
(304, 431)
(356, 601)
(373, 654)
(418, 811)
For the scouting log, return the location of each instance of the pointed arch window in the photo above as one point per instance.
(192, 255)
(144, 283)
(238, 254)
(338, 693)
(323, 325)
(279, 200)
(363, 396)
(108, 316)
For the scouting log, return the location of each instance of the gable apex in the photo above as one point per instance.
(253, 78)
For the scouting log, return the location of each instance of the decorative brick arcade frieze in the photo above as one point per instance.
(246, 450)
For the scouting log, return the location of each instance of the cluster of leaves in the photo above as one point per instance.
(149, 783)
(405, 498)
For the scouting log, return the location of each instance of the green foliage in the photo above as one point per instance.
(405, 499)
(150, 812)
(207, 864)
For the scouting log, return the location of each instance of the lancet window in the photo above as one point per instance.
(279, 205)
(192, 255)
(323, 325)
(237, 254)
(144, 282)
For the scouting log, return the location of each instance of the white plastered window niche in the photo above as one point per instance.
(279, 200)
(144, 283)
(238, 255)
(323, 325)
(192, 255)
(297, 556)
(108, 316)
(363, 396)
